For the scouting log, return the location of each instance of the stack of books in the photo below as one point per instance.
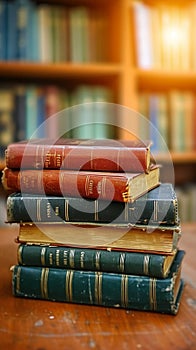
(96, 226)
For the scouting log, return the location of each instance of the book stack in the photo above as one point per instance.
(96, 226)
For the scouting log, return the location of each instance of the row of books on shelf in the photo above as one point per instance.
(23, 109)
(163, 35)
(172, 114)
(90, 246)
(50, 33)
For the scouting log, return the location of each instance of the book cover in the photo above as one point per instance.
(7, 127)
(20, 112)
(101, 288)
(86, 154)
(11, 30)
(154, 265)
(143, 35)
(162, 239)
(122, 187)
(159, 207)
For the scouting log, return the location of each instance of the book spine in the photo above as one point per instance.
(3, 29)
(68, 183)
(86, 158)
(22, 27)
(92, 259)
(95, 288)
(72, 209)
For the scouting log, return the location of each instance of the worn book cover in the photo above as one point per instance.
(122, 187)
(159, 207)
(112, 236)
(105, 260)
(85, 154)
(101, 288)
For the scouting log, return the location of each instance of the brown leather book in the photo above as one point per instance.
(121, 187)
(87, 154)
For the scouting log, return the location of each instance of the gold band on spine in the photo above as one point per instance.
(44, 283)
(155, 210)
(146, 264)
(97, 260)
(66, 210)
(152, 294)
(68, 284)
(96, 211)
(18, 279)
(98, 288)
(124, 290)
(19, 254)
(43, 252)
(38, 210)
(71, 258)
(122, 262)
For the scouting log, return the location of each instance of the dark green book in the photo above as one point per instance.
(157, 207)
(101, 288)
(154, 265)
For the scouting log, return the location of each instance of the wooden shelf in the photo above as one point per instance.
(60, 71)
(178, 157)
(161, 79)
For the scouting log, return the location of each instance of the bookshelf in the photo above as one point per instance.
(116, 67)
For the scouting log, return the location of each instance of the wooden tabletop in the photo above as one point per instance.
(42, 325)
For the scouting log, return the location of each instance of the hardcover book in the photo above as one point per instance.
(159, 207)
(154, 265)
(122, 187)
(86, 154)
(143, 238)
(101, 288)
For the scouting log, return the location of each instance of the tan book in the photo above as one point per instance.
(106, 236)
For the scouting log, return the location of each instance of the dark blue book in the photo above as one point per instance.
(158, 207)
(11, 30)
(101, 288)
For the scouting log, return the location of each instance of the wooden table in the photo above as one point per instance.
(42, 325)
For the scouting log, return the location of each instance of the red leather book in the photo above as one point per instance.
(96, 155)
(122, 187)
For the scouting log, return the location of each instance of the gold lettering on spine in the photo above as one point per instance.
(122, 262)
(71, 258)
(96, 211)
(19, 254)
(146, 264)
(51, 259)
(124, 290)
(44, 283)
(65, 258)
(97, 260)
(87, 182)
(43, 260)
(38, 210)
(68, 284)
(66, 210)
(152, 294)
(82, 259)
(18, 279)
(98, 288)
(57, 257)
